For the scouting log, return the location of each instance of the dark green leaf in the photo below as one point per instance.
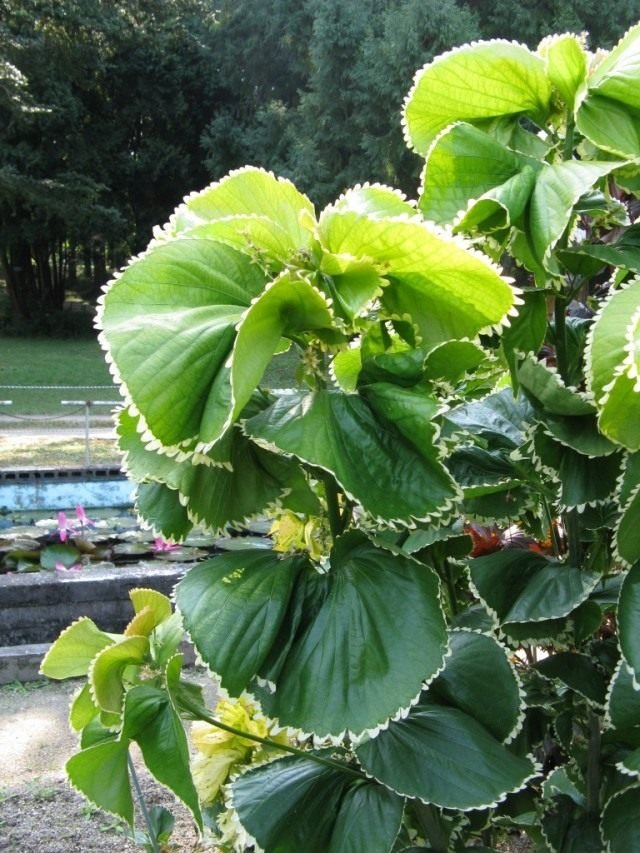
(629, 620)
(232, 607)
(295, 805)
(101, 774)
(527, 330)
(568, 829)
(621, 821)
(576, 671)
(477, 660)
(151, 720)
(444, 757)
(161, 508)
(623, 701)
(521, 586)
(353, 665)
(341, 434)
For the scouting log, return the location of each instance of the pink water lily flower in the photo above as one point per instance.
(160, 544)
(65, 527)
(83, 518)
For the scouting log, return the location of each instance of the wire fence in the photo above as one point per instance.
(32, 412)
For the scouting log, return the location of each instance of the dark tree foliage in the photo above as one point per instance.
(529, 21)
(111, 112)
(335, 118)
(101, 110)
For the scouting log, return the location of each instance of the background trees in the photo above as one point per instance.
(110, 113)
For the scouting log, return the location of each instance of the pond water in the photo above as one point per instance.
(64, 542)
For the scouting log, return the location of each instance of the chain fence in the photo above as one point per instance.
(29, 413)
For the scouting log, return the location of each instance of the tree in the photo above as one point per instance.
(530, 21)
(100, 134)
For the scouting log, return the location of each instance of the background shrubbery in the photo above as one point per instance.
(110, 113)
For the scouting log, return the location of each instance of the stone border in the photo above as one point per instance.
(36, 607)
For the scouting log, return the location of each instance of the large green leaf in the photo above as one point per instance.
(252, 210)
(629, 620)
(566, 64)
(369, 458)
(354, 666)
(374, 200)
(340, 660)
(412, 412)
(71, 654)
(172, 313)
(613, 366)
(558, 188)
(445, 757)
(623, 700)
(527, 331)
(609, 115)
(435, 280)
(501, 419)
(627, 533)
(229, 486)
(290, 305)
(577, 672)
(521, 586)
(584, 481)
(232, 607)
(477, 660)
(567, 828)
(462, 166)
(483, 472)
(472, 83)
(610, 125)
(151, 720)
(101, 774)
(161, 508)
(548, 390)
(449, 361)
(617, 76)
(621, 821)
(624, 252)
(107, 669)
(295, 805)
(580, 433)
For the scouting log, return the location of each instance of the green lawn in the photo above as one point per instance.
(42, 362)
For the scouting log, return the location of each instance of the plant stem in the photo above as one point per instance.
(552, 530)
(451, 587)
(562, 359)
(201, 713)
(143, 806)
(593, 764)
(567, 149)
(574, 546)
(431, 824)
(333, 505)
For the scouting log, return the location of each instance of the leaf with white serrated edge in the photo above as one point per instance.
(435, 280)
(613, 365)
(475, 82)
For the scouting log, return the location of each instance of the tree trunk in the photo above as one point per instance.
(19, 276)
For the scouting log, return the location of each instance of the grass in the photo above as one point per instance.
(78, 363)
(41, 362)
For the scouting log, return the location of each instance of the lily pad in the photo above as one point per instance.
(23, 531)
(182, 555)
(131, 549)
(241, 543)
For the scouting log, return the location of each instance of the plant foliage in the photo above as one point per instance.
(447, 624)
